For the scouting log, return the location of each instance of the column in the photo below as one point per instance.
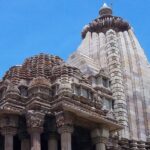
(8, 135)
(35, 135)
(52, 142)
(99, 138)
(35, 120)
(64, 121)
(100, 146)
(66, 132)
(100, 143)
(9, 125)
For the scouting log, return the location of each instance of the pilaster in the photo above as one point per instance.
(116, 77)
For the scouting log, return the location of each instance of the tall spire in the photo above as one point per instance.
(105, 10)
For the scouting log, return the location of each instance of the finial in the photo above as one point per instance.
(105, 5)
(105, 10)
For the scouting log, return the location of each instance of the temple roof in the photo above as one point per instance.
(38, 65)
(41, 66)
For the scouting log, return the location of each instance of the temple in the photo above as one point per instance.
(98, 100)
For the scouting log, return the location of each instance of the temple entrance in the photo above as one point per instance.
(81, 139)
(1, 142)
(44, 142)
(17, 143)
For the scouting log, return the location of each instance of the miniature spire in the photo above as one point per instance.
(105, 10)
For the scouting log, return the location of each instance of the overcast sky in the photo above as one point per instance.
(29, 27)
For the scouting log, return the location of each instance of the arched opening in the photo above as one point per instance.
(23, 91)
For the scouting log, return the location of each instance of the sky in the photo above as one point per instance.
(30, 27)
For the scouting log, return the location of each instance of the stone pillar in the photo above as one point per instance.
(99, 138)
(100, 145)
(35, 135)
(35, 120)
(8, 135)
(64, 122)
(52, 142)
(66, 132)
(9, 125)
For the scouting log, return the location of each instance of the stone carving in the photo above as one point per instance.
(110, 115)
(63, 118)
(9, 124)
(40, 81)
(133, 145)
(34, 119)
(65, 88)
(9, 121)
(141, 145)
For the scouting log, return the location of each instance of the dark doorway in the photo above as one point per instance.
(44, 142)
(1, 142)
(81, 139)
(17, 143)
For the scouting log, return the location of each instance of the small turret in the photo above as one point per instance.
(105, 10)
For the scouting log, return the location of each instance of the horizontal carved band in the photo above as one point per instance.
(65, 128)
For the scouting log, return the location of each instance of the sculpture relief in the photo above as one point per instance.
(34, 119)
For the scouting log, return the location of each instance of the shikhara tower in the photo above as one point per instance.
(109, 43)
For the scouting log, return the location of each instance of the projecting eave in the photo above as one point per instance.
(92, 117)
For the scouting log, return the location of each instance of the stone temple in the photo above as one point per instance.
(98, 100)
